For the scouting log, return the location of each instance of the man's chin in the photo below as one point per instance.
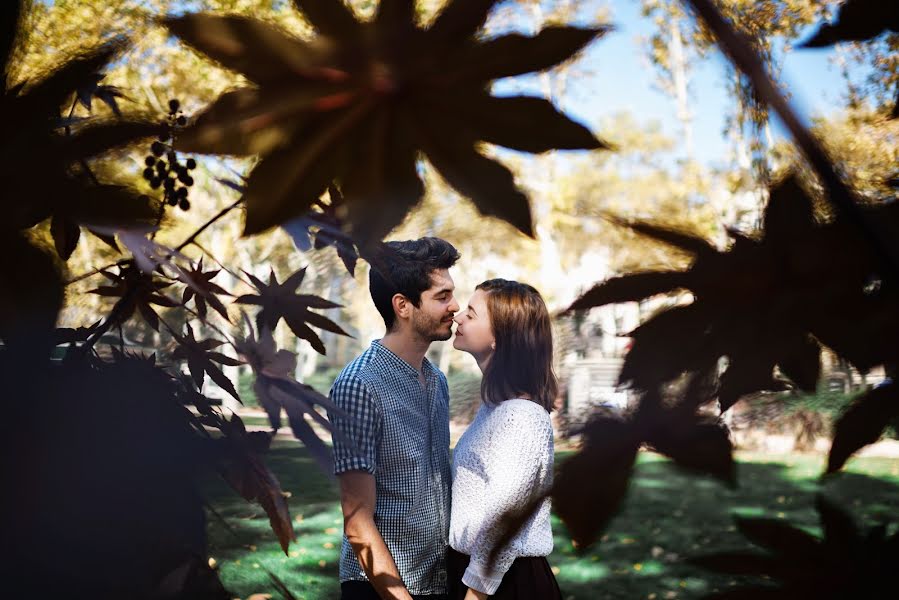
(442, 336)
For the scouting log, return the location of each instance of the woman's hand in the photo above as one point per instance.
(475, 595)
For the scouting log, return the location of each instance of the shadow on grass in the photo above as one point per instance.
(668, 516)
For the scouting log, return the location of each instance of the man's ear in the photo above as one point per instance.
(401, 306)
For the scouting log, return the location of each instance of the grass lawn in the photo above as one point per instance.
(668, 515)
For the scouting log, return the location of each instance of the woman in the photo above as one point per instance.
(505, 457)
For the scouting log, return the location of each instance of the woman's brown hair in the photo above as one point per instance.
(521, 364)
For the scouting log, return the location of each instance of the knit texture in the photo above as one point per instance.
(502, 460)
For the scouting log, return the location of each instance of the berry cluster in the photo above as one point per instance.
(172, 176)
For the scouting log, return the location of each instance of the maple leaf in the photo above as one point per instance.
(360, 101)
(204, 291)
(764, 303)
(248, 474)
(322, 227)
(279, 301)
(108, 94)
(136, 290)
(863, 423)
(277, 390)
(201, 360)
(70, 335)
(857, 20)
(46, 165)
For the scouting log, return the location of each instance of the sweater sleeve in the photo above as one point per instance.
(516, 452)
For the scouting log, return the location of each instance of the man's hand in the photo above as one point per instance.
(357, 499)
(475, 595)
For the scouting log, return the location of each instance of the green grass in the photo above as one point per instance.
(668, 516)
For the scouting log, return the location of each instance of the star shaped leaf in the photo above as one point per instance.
(361, 101)
(201, 360)
(280, 301)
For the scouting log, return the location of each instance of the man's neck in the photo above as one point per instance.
(410, 348)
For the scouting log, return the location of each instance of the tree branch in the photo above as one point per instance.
(840, 196)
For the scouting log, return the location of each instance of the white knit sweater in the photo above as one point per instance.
(504, 456)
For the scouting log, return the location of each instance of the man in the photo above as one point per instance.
(393, 461)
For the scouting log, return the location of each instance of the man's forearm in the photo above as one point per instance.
(375, 559)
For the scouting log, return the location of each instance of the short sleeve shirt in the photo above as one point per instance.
(398, 431)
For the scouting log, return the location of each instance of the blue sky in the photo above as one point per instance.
(623, 81)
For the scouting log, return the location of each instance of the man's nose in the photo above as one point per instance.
(454, 307)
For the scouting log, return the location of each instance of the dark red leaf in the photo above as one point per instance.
(459, 20)
(255, 48)
(253, 480)
(590, 486)
(800, 360)
(700, 444)
(490, 185)
(857, 20)
(789, 212)
(863, 423)
(633, 287)
(515, 54)
(332, 18)
(279, 301)
(65, 236)
(746, 374)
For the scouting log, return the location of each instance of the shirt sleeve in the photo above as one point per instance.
(513, 463)
(356, 448)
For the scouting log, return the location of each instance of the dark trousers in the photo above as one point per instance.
(363, 590)
(528, 577)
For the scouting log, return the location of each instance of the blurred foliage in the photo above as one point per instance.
(348, 99)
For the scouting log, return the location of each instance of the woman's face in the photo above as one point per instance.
(474, 333)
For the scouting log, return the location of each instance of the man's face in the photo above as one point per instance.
(433, 319)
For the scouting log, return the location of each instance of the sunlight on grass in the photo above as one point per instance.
(668, 516)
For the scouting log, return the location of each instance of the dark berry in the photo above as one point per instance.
(149, 161)
(191, 164)
(184, 203)
(186, 179)
(155, 183)
(149, 174)
(169, 184)
(173, 158)
(158, 149)
(161, 166)
(171, 201)
(182, 192)
(174, 105)
(182, 121)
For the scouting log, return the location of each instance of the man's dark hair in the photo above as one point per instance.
(409, 265)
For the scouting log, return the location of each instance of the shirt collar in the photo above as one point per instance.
(427, 368)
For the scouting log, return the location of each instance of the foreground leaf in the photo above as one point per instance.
(379, 91)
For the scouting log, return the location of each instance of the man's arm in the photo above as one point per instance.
(357, 499)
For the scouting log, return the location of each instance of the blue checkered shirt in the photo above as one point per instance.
(400, 434)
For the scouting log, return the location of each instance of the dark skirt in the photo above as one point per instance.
(528, 577)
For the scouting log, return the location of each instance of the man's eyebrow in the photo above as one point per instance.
(444, 291)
